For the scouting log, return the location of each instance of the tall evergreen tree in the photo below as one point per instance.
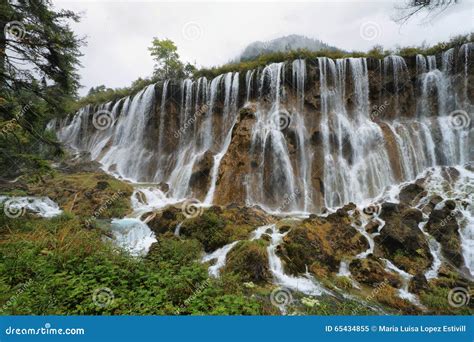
(38, 75)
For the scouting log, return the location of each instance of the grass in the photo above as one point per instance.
(53, 266)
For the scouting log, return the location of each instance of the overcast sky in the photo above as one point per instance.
(118, 33)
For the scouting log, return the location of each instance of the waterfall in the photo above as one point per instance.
(305, 156)
(230, 117)
(273, 179)
(128, 153)
(347, 174)
(319, 136)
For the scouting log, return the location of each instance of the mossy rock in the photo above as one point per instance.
(165, 220)
(88, 195)
(214, 227)
(388, 295)
(371, 272)
(208, 229)
(401, 240)
(443, 226)
(249, 260)
(325, 241)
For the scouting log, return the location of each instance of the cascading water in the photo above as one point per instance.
(318, 138)
(301, 160)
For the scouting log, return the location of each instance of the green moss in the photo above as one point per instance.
(343, 282)
(249, 260)
(89, 195)
(208, 229)
(436, 299)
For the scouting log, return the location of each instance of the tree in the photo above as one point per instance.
(165, 54)
(189, 69)
(99, 89)
(38, 79)
(432, 8)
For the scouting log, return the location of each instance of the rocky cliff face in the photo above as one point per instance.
(292, 136)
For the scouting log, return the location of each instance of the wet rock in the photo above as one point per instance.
(389, 208)
(418, 283)
(402, 241)
(164, 187)
(236, 165)
(372, 227)
(443, 226)
(451, 174)
(411, 193)
(433, 201)
(370, 271)
(200, 177)
(249, 260)
(320, 244)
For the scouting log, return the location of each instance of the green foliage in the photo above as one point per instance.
(106, 95)
(249, 260)
(376, 52)
(208, 229)
(436, 298)
(54, 267)
(31, 96)
(165, 55)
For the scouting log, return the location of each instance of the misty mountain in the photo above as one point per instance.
(287, 43)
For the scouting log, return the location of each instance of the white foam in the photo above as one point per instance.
(42, 206)
(133, 235)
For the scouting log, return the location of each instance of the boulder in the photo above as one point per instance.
(443, 226)
(371, 271)
(411, 193)
(401, 240)
(249, 260)
(418, 283)
(320, 244)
